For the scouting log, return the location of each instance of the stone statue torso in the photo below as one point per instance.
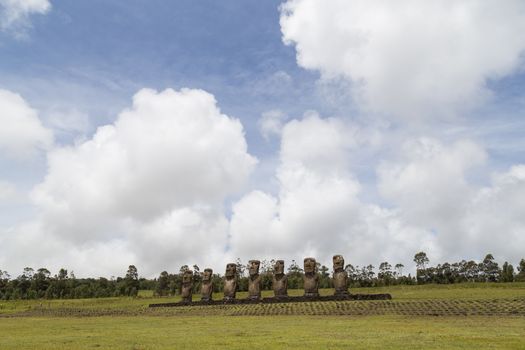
(206, 290)
(186, 291)
(311, 284)
(187, 286)
(254, 287)
(280, 285)
(341, 283)
(230, 286)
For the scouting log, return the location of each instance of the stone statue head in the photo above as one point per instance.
(279, 267)
(231, 270)
(309, 265)
(187, 276)
(206, 275)
(254, 267)
(339, 263)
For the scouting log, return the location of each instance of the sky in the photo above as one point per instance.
(170, 133)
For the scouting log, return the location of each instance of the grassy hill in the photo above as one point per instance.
(430, 316)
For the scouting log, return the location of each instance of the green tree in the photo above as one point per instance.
(353, 275)
(163, 284)
(470, 270)
(507, 272)
(131, 281)
(4, 282)
(520, 277)
(267, 274)
(41, 282)
(23, 285)
(59, 285)
(295, 276)
(324, 277)
(490, 269)
(421, 261)
(399, 269)
(385, 274)
(175, 283)
(197, 279)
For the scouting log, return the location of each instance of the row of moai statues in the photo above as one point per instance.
(279, 281)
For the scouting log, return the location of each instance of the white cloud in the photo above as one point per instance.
(432, 203)
(495, 221)
(428, 183)
(110, 201)
(29, 245)
(169, 150)
(22, 135)
(14, 14)
(271, 123)
(411, 58)
(429, 187)
(186, 236)
(155, 181)
(318, 211)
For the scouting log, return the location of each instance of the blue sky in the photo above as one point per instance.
(106, 51)
(356, 127)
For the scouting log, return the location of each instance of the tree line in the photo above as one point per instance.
(41, 284)
(487, 270)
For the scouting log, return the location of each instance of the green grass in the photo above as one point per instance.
(262, 332)
(484, 316)
(456, 292)
(460, 291)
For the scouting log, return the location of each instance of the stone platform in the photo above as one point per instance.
(298, 299)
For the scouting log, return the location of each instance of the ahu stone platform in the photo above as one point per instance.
(289, 299)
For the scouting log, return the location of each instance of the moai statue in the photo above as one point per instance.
(280, 280)
(207, 285)
(340, 276)
(187, 286)
(311, 279)
(230, 282)
(254, 281)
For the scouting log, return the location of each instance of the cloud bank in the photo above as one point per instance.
(428, 201)
(412, 59)
(153, 183)
(152, 189)
(166, 184)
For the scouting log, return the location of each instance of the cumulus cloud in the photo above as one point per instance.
(429, 187)
(169, 150)
(495, 221)
(141, 191)
(14, 14)
(29, 244)
(428, 182)
(22, 135)
(410, 58)
(429, 201)
(318, 211)
(156, 180)
(189, 235)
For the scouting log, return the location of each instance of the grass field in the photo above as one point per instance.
(484, 316)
